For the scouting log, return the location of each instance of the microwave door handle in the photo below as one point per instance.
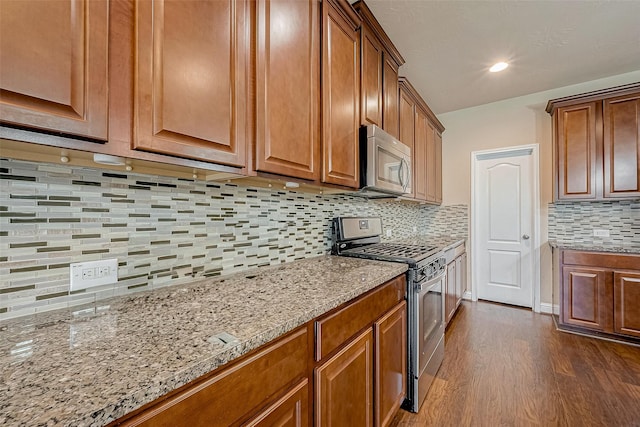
(403, 182)
(408, 180)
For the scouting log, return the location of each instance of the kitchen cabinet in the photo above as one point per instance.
(599, 292)
(340, 95)
(361, 374)
(288, 88)
(192, 79)
(626, 292)
(291, 410)
(421, 131)
(391, 363)
(345, 385)
(597, 144)
(456, 280)
(53, 66)
(380, 61)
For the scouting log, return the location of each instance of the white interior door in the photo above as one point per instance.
(504, 224)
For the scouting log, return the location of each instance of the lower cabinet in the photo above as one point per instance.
(344, 385)
(626, 303)
(456, 281)
(600, 292)
(390, 336)
(356, 377)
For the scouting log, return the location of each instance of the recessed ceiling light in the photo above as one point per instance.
(499, 66)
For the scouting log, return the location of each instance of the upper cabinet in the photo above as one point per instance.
(422, 131)
(53, 66)
(288, 88)
(192, 80)
(379, 74)
(597, 144)
(340, 94)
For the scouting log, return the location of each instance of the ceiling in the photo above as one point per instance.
(450, 45)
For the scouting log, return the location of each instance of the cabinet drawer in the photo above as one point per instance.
(599, 259)
(228, 397)
(336, 328)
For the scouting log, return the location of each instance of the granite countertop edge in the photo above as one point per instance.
(594, 248)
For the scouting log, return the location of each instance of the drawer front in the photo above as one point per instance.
(336, 328)
(601, 259)
(229, 397)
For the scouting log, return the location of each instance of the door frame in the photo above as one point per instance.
(533, 151)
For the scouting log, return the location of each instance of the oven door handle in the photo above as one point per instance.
(427, 285)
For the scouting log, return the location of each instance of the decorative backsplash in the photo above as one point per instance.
(574, 222)
(163, 231)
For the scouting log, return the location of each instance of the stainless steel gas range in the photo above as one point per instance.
(360, 237)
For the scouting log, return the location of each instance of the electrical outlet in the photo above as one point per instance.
(85, 275)
(389, 233)
(601, 233)
(415, 229)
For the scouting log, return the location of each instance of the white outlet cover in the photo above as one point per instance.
(601, 233)
(389, 233)
(78, 280)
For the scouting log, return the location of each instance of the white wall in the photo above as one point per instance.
(512, 122)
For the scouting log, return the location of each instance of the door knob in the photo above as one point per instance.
(525, 236)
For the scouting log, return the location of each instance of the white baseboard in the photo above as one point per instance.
(547, 308)
(467, 295)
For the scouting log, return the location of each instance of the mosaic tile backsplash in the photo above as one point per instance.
(164, 231)
(574, 222)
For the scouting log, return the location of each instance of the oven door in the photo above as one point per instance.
(430, 321)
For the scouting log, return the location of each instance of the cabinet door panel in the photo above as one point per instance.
(288, 89)
(420, 150)
(438, 139)
(371, 91)
(450, 292)
(344, 389)
(431, 170)
(576, 151)
(390, 114)
(626, 289)
(587, 297)
(391, 363)
(292, 410)
(53, 65)
(407, 129)
(622, 146)
(191, 89)
(340, 98)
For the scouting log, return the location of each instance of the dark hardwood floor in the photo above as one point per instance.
(506, 366)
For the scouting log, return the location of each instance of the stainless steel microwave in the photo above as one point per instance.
(385, 164)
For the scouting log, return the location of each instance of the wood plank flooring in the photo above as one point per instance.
(506, 366)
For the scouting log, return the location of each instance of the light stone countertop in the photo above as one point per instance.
(630, 249)
(94, 366)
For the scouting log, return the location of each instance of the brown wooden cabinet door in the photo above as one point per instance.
(344, 385)
(53, 65)
(291, 410)
(438, 139)
(432, 182)
(450, 292)
(407, 129)
(420, 163)
(576, 152)
(587, 298)
(626, 289)
(390, 114)
(340, 98)
(390, 363)
(621, 120)
(191, 93)
(371, 79)
(288, 88)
